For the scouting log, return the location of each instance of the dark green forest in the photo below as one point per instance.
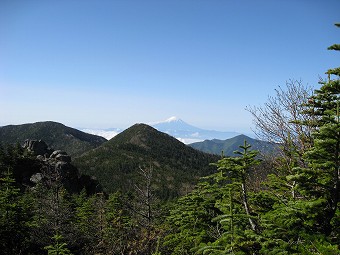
(176, 167)
(285, 203)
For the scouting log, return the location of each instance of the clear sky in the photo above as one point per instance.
(104, 64)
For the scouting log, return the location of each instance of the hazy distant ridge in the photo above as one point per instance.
(228, 146)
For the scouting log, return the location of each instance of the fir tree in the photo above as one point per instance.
(85, 223)
(58, 247)
(319, 183)
(117, 233)
(190, 220)
(308, 222)
(237, 170)
(15, 217)
(238, 219)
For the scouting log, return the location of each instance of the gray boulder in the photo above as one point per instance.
(37, 147)
(61, 156)
(35, 178)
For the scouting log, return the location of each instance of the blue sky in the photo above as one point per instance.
(102, 64)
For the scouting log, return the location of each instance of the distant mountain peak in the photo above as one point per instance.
(173, 119)
(187, 133)
(173, 123)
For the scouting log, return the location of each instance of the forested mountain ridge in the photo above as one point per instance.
(176, 166)
(55, 134)
(228, 146)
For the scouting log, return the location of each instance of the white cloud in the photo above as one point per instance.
(104, 133)
(195, 134)
(188, 140)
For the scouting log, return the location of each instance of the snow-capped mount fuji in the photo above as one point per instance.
(173, 124)
(187, 133)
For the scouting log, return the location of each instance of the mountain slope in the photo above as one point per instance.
(188, 133)
(176, 166)
(230, 145)
(55, 134)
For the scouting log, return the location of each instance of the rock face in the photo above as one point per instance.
(37, 147)
(54, 165)
(36, 178)
(60, 156)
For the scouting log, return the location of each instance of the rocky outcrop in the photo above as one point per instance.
(54, 166)
(60, 156)
(37, 147)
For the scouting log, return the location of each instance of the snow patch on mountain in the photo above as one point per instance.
(172, 119)
(169, 120)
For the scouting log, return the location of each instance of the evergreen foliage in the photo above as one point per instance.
(237, 219)
(58, 247)
(190, 218)
(16, 219)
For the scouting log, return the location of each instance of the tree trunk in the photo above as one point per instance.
(246, 207)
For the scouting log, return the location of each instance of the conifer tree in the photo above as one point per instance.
(84, 221)
(115, 226)
(190, 220)
(58, 247)
(238, 219)
(15, 217)
(308, 223)
(320, 181)
(237, 170)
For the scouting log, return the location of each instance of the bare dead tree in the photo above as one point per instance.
(145, 210)
(145, 196)
(280, 120)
